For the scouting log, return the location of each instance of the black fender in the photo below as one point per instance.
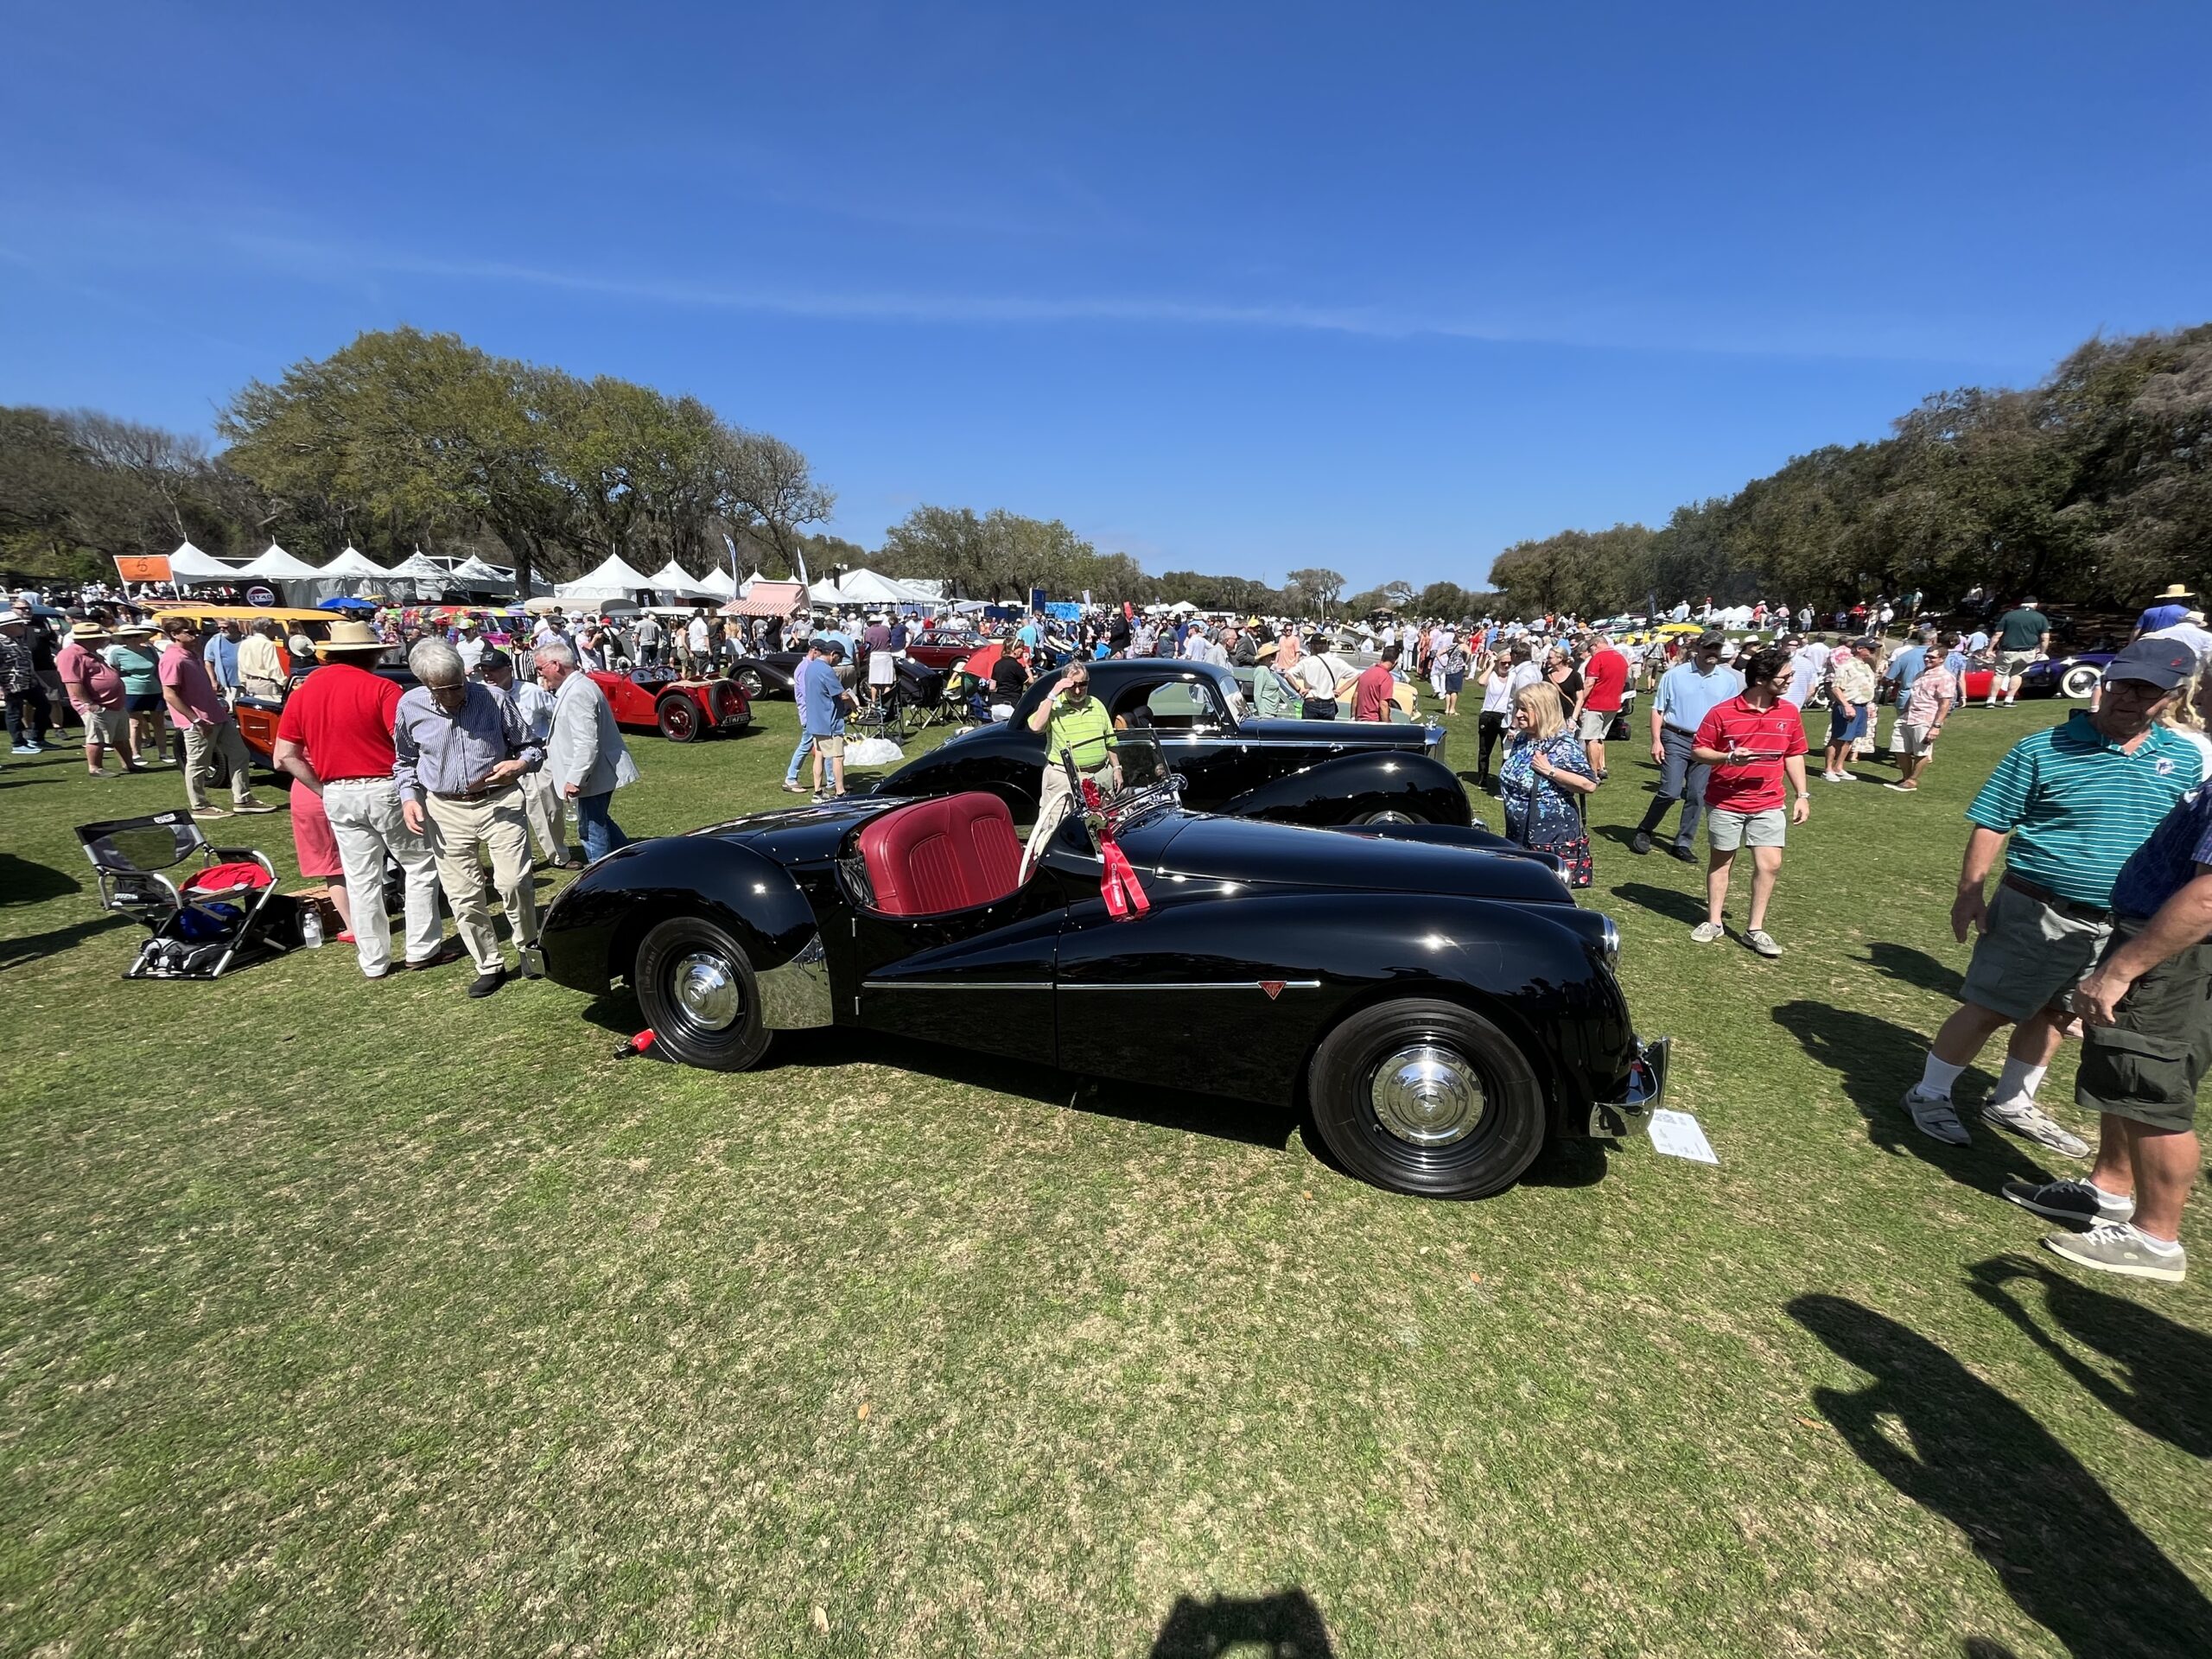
(772, 678)
(1347, 788)
(589, 937)
(1007, 759)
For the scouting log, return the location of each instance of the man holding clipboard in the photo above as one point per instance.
(1751, 742)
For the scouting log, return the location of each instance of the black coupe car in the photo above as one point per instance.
(1433, 998)
(1311, 772)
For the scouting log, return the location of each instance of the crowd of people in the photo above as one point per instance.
(2097, 922)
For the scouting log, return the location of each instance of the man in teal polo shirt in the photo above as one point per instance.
(2068, 806)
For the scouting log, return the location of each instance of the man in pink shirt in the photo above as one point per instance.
(213, 743)
(95, 692)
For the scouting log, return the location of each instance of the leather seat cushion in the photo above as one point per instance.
(934, 856)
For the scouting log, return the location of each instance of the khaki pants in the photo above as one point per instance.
(211, 751)
(1056, 801)
(497, 825)
(366, 822)
(541, 805)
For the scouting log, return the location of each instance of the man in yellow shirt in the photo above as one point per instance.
(1076, 725)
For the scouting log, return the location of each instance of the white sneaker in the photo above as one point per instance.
(1706, 932)
(2024, 1117)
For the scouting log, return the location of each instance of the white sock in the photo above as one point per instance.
(1936, 1078)
(2156, 1246)
(2018, 1080)
(2109, 1200)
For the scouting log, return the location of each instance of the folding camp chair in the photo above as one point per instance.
(210, 908)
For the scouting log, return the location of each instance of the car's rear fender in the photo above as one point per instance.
(1349, 788)
(590, 935)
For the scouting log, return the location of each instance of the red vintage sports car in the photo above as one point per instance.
(679, 709)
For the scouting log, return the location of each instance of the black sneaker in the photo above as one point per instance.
(485, 984)
(1687, 854)
(1640, 842)
(2074, 1201)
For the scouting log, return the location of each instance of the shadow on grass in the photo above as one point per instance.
(1902, 962)
(1284, 1625)
(2164, 1385)
(36, 947)
(2070, 1556)
(23, 882)
(1685, 907)
(1878, 1061)
(1245, 1121)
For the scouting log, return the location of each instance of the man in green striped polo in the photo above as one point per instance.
(2068, 807)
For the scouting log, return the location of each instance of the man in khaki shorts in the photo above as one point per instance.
(2067, 806)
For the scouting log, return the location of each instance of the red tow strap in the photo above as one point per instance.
(1118, 887)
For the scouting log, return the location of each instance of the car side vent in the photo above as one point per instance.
(854, 870)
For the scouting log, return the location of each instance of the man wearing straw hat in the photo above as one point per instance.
(2171, 606)
(95, 692)
(335, 737)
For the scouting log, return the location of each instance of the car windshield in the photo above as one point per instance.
(1139, 785)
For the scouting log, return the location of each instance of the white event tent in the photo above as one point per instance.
(472, 572)
(673, 578)
(868, 587)
(352, 562)
(276, 565)
(614, 580)
(188, 564)
(720, 583)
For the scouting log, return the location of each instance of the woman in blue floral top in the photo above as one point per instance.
(1545, 771)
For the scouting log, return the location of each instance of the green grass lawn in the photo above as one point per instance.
(347, 1319)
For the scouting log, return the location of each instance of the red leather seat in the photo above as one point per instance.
(934, 856)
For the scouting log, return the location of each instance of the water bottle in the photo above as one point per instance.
(311, 927)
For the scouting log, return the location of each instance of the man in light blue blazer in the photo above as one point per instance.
(585, 754)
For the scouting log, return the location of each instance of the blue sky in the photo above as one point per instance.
(1231, 288)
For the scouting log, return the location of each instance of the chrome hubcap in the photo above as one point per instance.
(1393, 817)
(1427, 1096)
(706, 990)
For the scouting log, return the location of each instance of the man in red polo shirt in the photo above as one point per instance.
(1604, 684)
(335, 737)
(1370, 692)
(1751, 741)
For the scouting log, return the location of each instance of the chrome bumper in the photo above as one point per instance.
(1647, 1087)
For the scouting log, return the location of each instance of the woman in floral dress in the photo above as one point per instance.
(1545, 773)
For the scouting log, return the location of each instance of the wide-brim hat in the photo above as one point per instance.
(1270, 648)
(80, 632)
(134, 631)
(347, 638)
(2176, 591)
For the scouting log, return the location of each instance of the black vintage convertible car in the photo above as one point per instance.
(770, 675)
(1433, 998)
(1310, 772)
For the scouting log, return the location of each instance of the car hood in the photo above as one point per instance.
(1244, 849)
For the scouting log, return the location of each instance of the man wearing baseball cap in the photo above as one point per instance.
(2068, 806)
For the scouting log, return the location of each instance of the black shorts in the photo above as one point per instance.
(2147, 1066)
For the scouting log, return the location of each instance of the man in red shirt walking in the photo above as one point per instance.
(335, 737)
(1370, 692)
(1751, 741)
(1604, 684)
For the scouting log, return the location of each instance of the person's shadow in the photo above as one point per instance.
(2164, 1385)
(1663, 901)
(1284, 1625)
(1878, 1061)
(2068, 1555)
(1912, 966)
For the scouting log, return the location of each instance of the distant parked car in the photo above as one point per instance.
(680, 710)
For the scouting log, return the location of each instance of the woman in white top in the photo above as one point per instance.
(1497, 684)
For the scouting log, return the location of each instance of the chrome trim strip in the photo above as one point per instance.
(956, 984)
(1202, 985)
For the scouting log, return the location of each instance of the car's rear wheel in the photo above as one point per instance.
(699, 995)
(679, 719)
(749, 681)
(2079, 682)
(1427, 1098)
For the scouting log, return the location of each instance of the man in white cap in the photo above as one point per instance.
(335, 737)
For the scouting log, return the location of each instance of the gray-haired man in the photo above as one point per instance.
(459, 749)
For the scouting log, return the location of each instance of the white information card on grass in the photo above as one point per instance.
(1677, 1134)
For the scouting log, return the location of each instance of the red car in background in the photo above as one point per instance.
(942, 649)
(680, 710)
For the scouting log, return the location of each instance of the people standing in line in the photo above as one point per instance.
(1686, 693)
(1371, 691)
(1540, 781)
(1921, 712)
(1851, 695)
(133, 655)
(2146, 1014)
(2068, 806)
(1750, 742)
(585, 751)
(460, 751)
(1604, 689)
(333, 738)
(2023, 635)
(1496, 709)
(214, 747)
(95, 692)
(541, 804)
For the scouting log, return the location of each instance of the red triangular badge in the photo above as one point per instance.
(1273, 988)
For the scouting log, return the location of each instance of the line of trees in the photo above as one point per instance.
(2094, 488)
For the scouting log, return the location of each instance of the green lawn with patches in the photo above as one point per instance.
(347, 1319)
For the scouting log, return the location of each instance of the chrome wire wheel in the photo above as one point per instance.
(1427, 1096)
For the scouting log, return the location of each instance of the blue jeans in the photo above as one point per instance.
(799, 756)
(1681, 779)
(601, 835)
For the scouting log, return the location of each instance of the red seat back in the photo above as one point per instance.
(934, 856)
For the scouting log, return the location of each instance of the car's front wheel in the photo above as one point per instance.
(750, 683)
(1428, 1098)
(679, 719)
(699, 995)
(2079, 682)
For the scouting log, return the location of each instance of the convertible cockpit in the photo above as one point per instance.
(932, 857)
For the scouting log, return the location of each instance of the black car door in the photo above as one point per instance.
(1197, 734)
(979, 979)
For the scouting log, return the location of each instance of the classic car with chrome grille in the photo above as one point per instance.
(1313, 771)
(1432, 998)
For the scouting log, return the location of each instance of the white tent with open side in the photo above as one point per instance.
(472, 572)
(673, 578)
(616, 579)
(825, 591)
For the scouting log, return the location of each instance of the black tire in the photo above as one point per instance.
(684, 946)
(1488, 1152)
(680, 721)
(749, 681)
